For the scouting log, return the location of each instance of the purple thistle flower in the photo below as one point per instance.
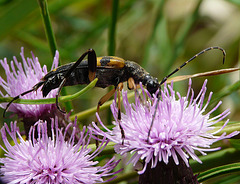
(181, 127)
(21, 78)
(52, 159)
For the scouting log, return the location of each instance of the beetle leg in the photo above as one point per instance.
(119, 89)
(104, 99)
(58, 94)
(107, 97)
(100, 103)
(92, 67)
(132, 86)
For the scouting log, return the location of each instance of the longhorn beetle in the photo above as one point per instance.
(110, 71)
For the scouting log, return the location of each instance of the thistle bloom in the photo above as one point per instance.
(52, 159)
(21, 78)
(181, 127)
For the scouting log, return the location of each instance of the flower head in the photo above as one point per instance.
(22, 77)
(52, 159)
(181, 127)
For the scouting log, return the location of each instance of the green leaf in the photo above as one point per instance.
(51, 100)
(235, 143)
(217, 171)
(215, 159)
(83, 114)
(226, 91)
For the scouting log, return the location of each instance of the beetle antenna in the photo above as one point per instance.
(22, 94)
(175, 71)
(192, 58)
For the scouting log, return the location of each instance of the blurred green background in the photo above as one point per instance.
(159, 35)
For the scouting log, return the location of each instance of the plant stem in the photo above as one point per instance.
(51, 38)
(48, 27)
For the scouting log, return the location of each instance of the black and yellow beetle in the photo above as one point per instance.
(110, 71)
